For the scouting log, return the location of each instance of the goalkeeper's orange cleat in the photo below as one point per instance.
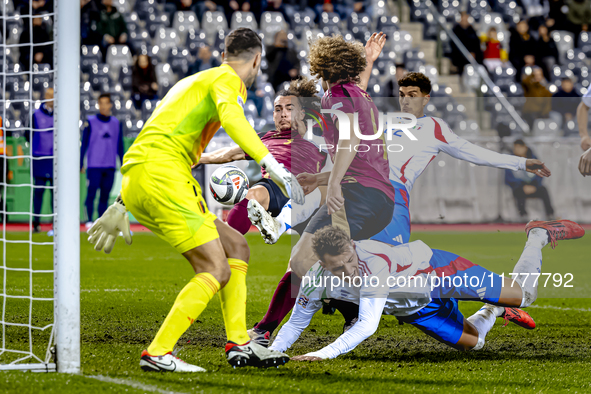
(558, 230)
(519, 317)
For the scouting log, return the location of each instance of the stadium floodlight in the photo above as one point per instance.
(40, 320)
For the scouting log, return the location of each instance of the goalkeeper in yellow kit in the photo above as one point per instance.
(159, 190)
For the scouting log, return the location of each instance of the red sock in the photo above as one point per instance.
(238, 217)
(282, 302)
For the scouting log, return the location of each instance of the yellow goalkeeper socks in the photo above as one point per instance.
(189, 304)
(233, 297)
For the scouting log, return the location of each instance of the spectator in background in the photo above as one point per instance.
(527, 185)
(284, 64)
(537, 102)
(204, 61)
(565, 101)
(469, 38)
(42, 145)
(144, 82)
(494, 55)
(90, 14)
(23, 6)
(579, 15)
(42, 52)
(103, 140)
(111, 26)
(521, 44)
(556, 17)
(546, 51)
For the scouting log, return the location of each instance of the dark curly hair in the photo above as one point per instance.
(301, 87)
(330, 240)
(419, 80)
(334, 59)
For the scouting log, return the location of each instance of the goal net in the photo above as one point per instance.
(39, 186)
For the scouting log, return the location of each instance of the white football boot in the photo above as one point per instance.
(252, 354)
(166, 363)
(261, 219)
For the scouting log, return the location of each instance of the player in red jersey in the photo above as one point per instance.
(288, 145)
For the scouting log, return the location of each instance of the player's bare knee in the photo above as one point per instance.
(222, 274)
(259, 194)
(236, 247)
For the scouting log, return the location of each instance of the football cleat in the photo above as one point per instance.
(261, 219)
(558, 230)
(166, 363)
(259, 336)
(519, 317)
(252, 354)
(349, 324)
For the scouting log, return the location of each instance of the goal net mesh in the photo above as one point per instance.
(27, 187)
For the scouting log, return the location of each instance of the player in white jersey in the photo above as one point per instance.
(583, 120)
(433, 137)
(419, 285)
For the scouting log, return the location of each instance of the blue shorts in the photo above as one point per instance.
(398, 231)
(276, 197)
(441, 318)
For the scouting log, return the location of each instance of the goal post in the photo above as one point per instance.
(67, 179)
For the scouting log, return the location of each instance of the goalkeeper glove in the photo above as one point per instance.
(105, 230)
(283, 178)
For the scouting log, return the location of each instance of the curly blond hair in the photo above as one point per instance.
(334, 59)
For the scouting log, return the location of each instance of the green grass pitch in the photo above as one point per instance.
(126, 295)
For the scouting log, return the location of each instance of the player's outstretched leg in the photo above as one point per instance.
(240, 350)
(267, 224)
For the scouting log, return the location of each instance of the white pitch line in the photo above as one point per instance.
(131, 383)
(560, 308)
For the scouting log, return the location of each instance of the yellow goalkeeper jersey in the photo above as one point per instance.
(188, 117)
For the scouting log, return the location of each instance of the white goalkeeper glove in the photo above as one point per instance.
(283, 178)
(105, 230)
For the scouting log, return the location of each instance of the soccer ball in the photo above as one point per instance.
(228, 185)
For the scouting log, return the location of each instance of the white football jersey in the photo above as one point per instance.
(408, 159)
(587, 97)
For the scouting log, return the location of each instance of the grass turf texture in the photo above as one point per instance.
(126, 295)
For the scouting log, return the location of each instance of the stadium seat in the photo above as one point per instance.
(559, 72)
(431, 72)
(165, 77)
(124, 110)
(303, 20)
(185, 22)
(575, 55)
(123, 6)
(14, 28)
(360, 25)
(145, 8)
(195, 40)
(147, 108)
(139, 40)
(88, 109)
(118, 56)
(504, 73)
(125, 78)
(132, 21)
(21, 99)
(219, 42)
(271, 23)
(489, 20)
(179, 61)
(42, 77)
(131, 128)
(14, 79)
(467, 127)
(329, 23)
(400, 41)
(213, 22)
(243, 19)
(565, 40)
(388, 25)
(155, 23)
(166, 39)
(450, 9)
(99, 77)
(546, 127)
(478, 9)
(90, 56)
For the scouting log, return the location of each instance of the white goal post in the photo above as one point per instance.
(63, 348)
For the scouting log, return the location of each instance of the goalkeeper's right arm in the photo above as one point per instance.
(105, 229)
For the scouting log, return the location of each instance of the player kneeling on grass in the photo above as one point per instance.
(419, 285)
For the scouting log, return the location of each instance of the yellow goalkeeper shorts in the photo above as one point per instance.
(164, 197)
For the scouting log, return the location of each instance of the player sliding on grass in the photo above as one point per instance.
(288, 146)
(159, 190)
(429, 301)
